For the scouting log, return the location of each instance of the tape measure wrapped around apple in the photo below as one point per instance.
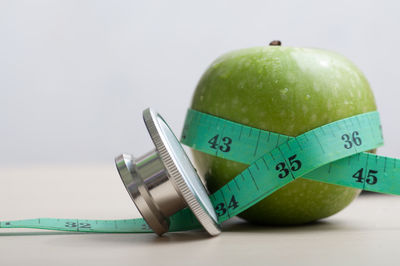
(290, 91)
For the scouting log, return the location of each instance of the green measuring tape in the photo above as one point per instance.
(333, 153)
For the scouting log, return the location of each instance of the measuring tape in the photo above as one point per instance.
(333, 153)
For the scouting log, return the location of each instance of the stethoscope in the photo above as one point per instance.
(164, 181)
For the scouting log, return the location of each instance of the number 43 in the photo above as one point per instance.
(224, 147)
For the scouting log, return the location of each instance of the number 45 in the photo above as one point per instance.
(371, 178)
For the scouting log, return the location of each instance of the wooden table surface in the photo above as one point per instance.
(365, 233)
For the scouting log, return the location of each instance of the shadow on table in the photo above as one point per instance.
(234, 225)
(41, 233)
(239, 226)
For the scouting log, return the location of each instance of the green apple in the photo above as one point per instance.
(287, 90)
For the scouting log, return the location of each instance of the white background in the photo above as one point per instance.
(76, 75)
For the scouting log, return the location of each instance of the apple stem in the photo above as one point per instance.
(275, 43)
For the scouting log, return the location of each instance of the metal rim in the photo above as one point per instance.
(203, 215)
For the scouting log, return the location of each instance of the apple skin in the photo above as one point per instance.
(290, 91)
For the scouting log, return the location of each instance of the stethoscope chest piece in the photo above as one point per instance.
(163, 181)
